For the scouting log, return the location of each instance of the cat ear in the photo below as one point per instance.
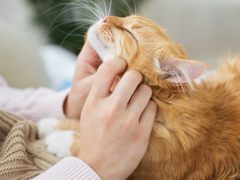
(181, 71)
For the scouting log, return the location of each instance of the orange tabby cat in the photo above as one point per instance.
(196, 134)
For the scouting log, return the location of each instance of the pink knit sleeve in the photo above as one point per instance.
(69, 168)
(33, 104)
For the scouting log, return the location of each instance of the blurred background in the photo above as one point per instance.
(40, 40)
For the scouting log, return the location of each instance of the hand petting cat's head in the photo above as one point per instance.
(146, 48)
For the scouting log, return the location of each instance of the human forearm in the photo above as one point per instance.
(33, 104)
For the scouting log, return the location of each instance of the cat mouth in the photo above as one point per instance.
(97, 43)
(99, 39)
(94, 35)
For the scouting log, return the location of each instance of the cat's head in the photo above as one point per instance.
(146, 48)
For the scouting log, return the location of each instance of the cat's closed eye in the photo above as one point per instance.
(130, 33)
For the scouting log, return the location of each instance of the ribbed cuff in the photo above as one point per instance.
(51, 106)
(69, 168)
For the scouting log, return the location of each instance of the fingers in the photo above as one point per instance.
(148, 116)
(140, 100)
(115, 83)
(106, 75)
(127, 86)
(87, 63)
(89, 55)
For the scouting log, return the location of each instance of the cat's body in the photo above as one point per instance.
(196, 134)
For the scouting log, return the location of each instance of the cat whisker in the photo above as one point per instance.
(82, 21)
(96, 12)
(110, 7)
(91, 6)
(130, 11)
(140, 8)
(82, 26)
(64, 9)
(75, 46)
(87, 5)
(123, 11)
(135, 8)
(79, 25)
(88, 16)
(56, 27)
(48, 10)
(90, 22)
(105, 8)
(100, 9)
(58, 17)
(97, 8)
(70, 34)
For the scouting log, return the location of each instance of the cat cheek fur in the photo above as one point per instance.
(102, 49)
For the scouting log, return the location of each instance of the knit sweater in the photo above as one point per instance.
(22, 155)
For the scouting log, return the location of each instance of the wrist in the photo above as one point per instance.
(94, 162)
(101, 165)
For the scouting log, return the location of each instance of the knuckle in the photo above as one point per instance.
(153, 104)
(114, 107)
(111, 112)
(90, 104)
(146, 89)
(134, 76)
(128, 125)
(119, 60)
(108, 118)
(108, 115)
(116, 102)
(94, 96)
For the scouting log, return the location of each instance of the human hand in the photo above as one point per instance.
(87, 65)
(115, 127)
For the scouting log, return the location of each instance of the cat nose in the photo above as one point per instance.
(115, 21)
(106, 20)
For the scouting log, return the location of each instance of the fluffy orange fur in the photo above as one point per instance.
(196, 134)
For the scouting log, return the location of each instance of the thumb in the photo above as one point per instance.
(89, 55)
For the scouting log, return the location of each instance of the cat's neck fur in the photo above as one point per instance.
(162, 93)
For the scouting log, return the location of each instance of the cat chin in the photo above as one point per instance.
(95, 41)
